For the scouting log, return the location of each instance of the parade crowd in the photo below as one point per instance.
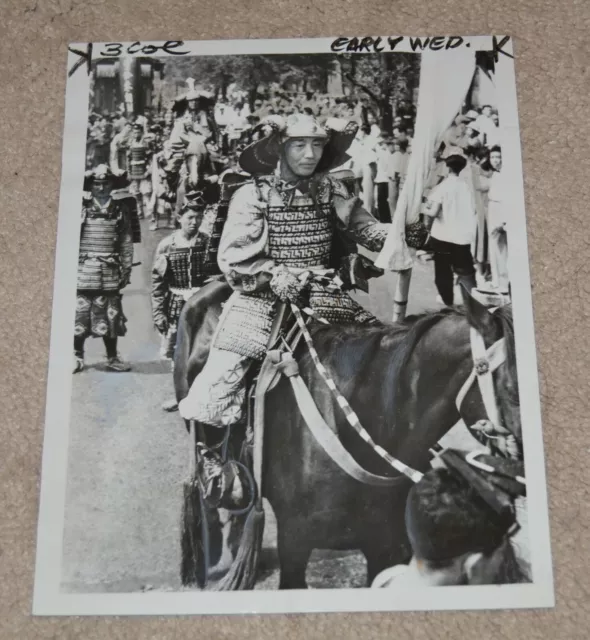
(144, 154)
(145, 148)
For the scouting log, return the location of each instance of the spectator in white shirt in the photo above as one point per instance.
(368, 159)
(484, 123)
(497, 237)
(363, 163)
(451, 216)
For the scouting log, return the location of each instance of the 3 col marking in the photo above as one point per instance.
(116, 49)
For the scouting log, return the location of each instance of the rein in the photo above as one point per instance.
(351, 417)
(485, 362)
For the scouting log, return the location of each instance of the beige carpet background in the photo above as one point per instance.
(552, 56)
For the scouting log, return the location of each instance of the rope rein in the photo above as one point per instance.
(351, 417)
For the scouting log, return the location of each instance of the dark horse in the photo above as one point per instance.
(402, 380)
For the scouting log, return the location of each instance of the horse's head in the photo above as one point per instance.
(490, 404)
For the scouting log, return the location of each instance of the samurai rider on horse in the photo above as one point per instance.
(287, 230)
(278, 244)
(194, 129)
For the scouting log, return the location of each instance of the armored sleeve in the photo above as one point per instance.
(242, 255)
(160, 281)
(356, 221)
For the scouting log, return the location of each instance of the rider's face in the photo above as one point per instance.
(302, 155)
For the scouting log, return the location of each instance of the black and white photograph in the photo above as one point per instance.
(292, 362)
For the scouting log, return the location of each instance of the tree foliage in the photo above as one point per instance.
(378, 78)
(252, 74)
(384, 79)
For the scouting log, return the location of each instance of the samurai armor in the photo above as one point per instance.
(338, 307)
(98, 265)
(187, 266)
(137, 160)
(100, 315)
(300, 236)
(246, 328)
(99, 235)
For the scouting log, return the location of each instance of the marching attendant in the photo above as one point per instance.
(278, 244)
(165, 179)
(104, 267)
(178, 270)
(451, 216)
(138, 152)
(177, 274)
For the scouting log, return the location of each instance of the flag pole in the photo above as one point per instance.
(400, 297)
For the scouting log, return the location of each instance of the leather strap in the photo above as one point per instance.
(324, 436)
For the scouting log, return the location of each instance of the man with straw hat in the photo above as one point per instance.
(280, 243)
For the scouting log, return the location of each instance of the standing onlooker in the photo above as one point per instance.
(484, 123)
(368, 159)
(383, 177)
(450, 213)
(399, 169)
(497, 237)
(223, 114)
(478, 181)
(361, 156)
(493, 136)
(374, 129)
(455, 135)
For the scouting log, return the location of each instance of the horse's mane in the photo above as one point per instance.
(420, 324)
(414, 327)
(364, 341)
(349, 347)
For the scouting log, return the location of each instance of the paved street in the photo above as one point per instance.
(127, 458)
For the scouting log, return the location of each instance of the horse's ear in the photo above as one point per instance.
(477, 315)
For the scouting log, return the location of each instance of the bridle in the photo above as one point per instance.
(490, 430)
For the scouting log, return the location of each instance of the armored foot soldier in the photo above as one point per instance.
(104, 266)
(138, 169)
(178, 272)
(280, 233)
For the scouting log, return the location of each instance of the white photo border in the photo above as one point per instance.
(49, 600)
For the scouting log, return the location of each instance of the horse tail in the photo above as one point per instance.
(184, 341)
